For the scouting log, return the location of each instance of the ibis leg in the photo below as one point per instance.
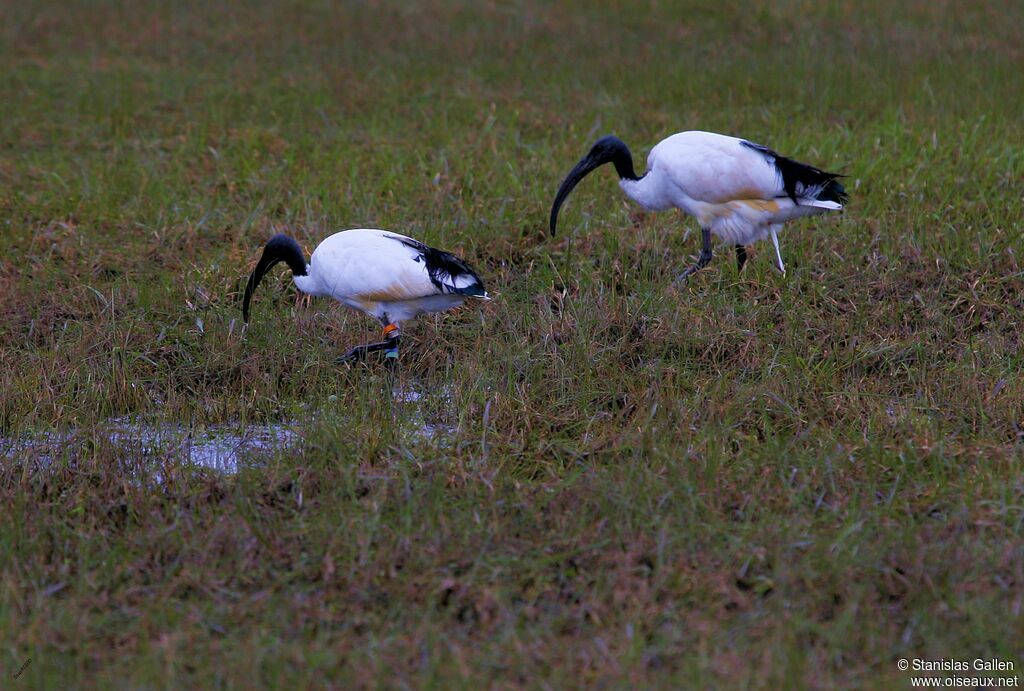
(741, 257)
(778, 254)
(391, 335)
(702, 260)
(389, 345)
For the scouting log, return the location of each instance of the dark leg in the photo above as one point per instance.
(391, 335)
(702, 260)
(741, 257)
(389, 345)
(360, 351)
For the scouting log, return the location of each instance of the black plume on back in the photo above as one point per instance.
(802, 179)
(445, 269)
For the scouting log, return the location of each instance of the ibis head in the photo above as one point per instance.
(607, 150)
(279, 248)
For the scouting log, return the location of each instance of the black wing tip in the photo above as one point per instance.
(833, 191)
(476, 290)
(456, 269)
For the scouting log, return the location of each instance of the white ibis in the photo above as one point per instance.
(739, 191)
(386, 275)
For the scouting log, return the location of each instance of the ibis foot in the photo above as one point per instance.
(359, 352)
(702, 260)
(389, 345)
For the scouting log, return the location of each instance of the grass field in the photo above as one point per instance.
(749, 481)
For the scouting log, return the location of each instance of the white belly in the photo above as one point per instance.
(403, 310)
(746, 221)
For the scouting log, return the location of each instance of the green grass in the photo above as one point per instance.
(753, 480)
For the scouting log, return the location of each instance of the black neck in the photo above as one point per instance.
(614, 150)
(282, 248)
(623, 163)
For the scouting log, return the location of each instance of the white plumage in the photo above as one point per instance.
(386, 275)
(739, 191)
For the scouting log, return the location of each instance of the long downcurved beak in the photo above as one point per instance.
(266, 262)
(580, 171)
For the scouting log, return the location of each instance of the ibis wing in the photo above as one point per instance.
(368, 265)
(378, 265)
(716, 169)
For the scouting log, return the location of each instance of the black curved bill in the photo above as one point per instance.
(580, 171)
(267, 261)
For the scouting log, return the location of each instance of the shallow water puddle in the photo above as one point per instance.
(219, 447)
(412, 401)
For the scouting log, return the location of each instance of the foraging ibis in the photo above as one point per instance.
(739, 191)
(386, 275)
